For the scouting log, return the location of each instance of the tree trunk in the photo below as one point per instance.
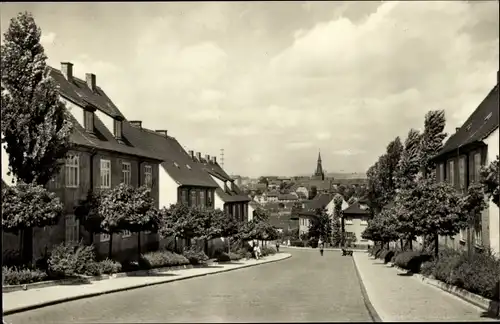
(91, 239)
(205, 246)
(138, 246)
(175, 244)
(228, 245)
(401, 243)
(411, 244)
(110, 251)
(27, 245)
(436, 245)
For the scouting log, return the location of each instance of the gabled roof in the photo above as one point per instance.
(287, 197)
(227, 194)
(79, 93)
(480, 124)
(176, 160)
(356, 209)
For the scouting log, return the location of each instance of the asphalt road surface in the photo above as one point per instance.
(306, 287)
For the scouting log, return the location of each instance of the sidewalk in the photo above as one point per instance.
(326, 249)
(397, 297)
(19, 301)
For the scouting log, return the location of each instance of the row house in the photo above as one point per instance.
(308, 210)
(102, 156)
(473, 145)
(228, 196)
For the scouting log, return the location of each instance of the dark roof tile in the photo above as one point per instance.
(356, 209)
(481, 123)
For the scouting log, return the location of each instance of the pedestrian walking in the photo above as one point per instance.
(277, 246)
(256, 251)
(321, 247)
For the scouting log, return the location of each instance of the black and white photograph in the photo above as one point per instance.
(251, 161)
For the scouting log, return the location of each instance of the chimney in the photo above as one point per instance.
(90, 78)
(162, 132)
(191, 154)
(207, 158)
(198, 155)
(136, 123)
(214, 159)
(457, 129)
(67, 70)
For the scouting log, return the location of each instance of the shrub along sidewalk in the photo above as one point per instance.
(20, 301)
(398, 297)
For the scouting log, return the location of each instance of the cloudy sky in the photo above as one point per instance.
(273, 83)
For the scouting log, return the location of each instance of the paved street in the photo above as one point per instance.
(306, 287)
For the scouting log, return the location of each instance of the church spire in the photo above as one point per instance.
(319, 168)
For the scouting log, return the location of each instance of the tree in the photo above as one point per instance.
(489, 179)
(35, 124)
(25, 206)
(143, 214)
(313, 192)
(321, 226)
(408, 165)
(181, 221)
(473, 203)
(388, 166)
(264, 181)
(114, 207)
(431, 140)
(439, 208)
(337, 203)
(87, 212)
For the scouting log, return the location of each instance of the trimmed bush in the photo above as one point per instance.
(17, 276)
(388, 256)
(67, 260)
(378, 251)
(234, 256)
(223, 257)
(412, 260)
(195, 257)
(109, 266)
(267, 250)
(158, 259)
(297, 243)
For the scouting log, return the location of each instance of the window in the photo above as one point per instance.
(441, 172)
(72, 168)
(118, 128)
(234, 211)
(209, 198)
(126, 173)
(192, 196)
(184, 196)
(478, 230)
(477, 166)
(461, 172)
(202, 198)
(148, 176)
(126, 233)
(364, 222)
(105, 174)
(348, 221)
(104, 237)
(89, 121)
(245, 212)
(451, 172)
(71, 225)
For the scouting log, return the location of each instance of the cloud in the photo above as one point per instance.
(281, 82)
(48, 39)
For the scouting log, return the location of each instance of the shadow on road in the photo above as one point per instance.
(406, 274)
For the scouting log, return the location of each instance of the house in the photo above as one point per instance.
(356, 218)
(103, 156)
(228, 196)
(270, 197)
(290, 197)
(308, 210)
(302, 191)
(472, 146)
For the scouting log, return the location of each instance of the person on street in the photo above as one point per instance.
(321, 246)
(256, 251)
(277, 246)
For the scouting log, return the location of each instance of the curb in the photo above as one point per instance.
(94, 294)
(474, 299)
(371, 310)
(52, 283)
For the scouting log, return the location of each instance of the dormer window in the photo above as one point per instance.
(118, 129)
(89, 121)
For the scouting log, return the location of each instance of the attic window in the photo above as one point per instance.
(487, 117)
(88, 121)
(188, 166)
(468, 127)
(176, 165)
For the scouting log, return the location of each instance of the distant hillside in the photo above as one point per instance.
(356, 175)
